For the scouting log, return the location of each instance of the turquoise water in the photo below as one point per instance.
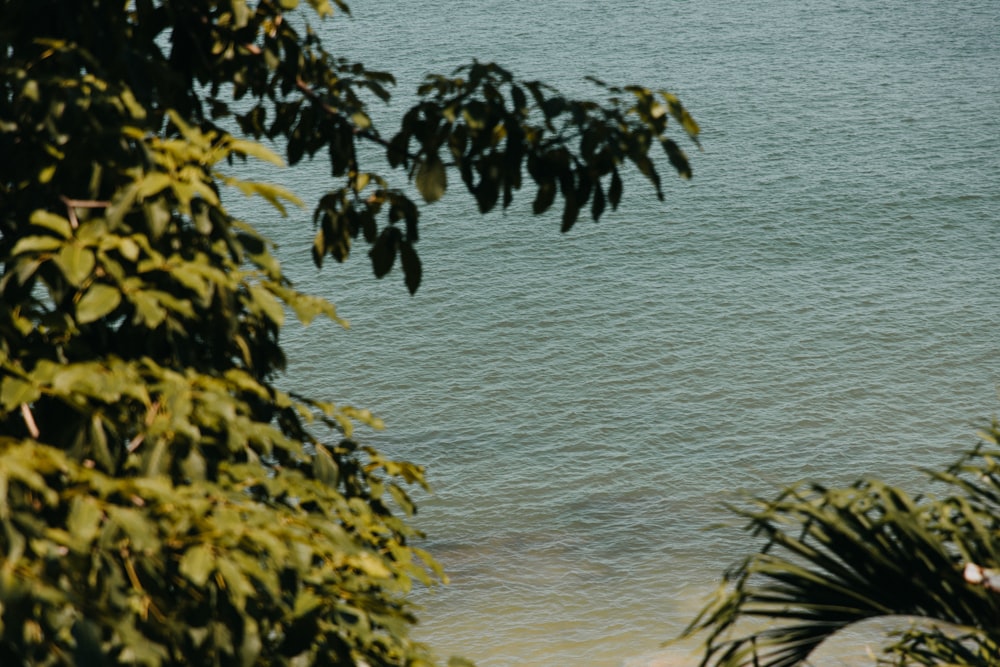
(821, 301)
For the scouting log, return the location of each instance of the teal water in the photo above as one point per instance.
(821, 301)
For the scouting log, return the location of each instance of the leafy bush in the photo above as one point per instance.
(164, 499)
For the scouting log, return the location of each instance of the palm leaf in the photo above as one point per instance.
(836, 557)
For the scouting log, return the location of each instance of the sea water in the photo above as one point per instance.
(820, 302)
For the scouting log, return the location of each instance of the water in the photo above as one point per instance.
(821, 301)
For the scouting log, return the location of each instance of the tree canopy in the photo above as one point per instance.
(166, 498)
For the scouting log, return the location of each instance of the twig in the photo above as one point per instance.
(29, 421)
(134, 443)
(71, 204)
(309, 92)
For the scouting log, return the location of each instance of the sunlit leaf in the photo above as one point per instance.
(51, 221)
(76, 263)
(431, 179)
(256, 150)
(15, 391)
(30, 244)
(97, 301)
(197, 564)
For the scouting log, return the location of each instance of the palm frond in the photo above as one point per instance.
(836, 557)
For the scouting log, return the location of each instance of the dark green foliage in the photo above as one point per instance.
(164, 500)
(837, 556)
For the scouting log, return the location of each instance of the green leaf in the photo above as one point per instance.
(383, 253)
(272, 193)
(87, 638)
(153, 183)
(615, 191)
(412, 269)
(97, 302)
(570, 213)
(597, 203)
(148, 309)
(47, 173)
(15, 391)
(197, 564)
(681, 114)
(306, 306)
(265, 302)
(432, 180)
(546, 195)
(76, 263)
(305, 603)
(325, 468)
(30, 90)
(51, 221)
(137, 528)
(259, 151)
(677, 158)
(237, 582)
(35, 244)
(372, 565)
(84, 520)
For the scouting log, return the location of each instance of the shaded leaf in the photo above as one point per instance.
(677, 158)
(546, 195)
(615, 191)
(383, 253)
(598, 202)
(412, 268)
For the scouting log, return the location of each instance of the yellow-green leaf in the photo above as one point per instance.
(76, 263)
(84, 519)
(322, 7)
(15, 391)
(197, 564)
(254, 149)
(325, 468)
(237, 582)
(46, 174)
(153, 183)
(98, 301)
(272, 193)
(432, 180)
(372, 566)
(139, 530)
(56, 223)
(35, 244)
(265, 302)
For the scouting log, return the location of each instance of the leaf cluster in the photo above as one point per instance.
(834, 557)
(164, 498)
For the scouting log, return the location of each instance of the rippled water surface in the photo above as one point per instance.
(820, 301)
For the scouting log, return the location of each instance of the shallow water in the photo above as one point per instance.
(820, 301)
